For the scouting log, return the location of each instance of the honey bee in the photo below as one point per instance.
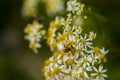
(68, 47)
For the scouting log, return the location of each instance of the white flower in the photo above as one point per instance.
(92, 35)
(56, 60)
(33, 35)
(77, 30)
(82, 73)
(102, 55)
(76, 56)
(92, 58)
(80, 8)
(85, 42)
(103, 51)
(85, 61)
(30, 8)
(72, 5)
(66, 23)
(54, 6)
(100, 73)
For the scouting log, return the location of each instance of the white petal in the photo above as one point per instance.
(100, 68)
(95, 69)
(104, 75)
(103, 71)
(86, 75)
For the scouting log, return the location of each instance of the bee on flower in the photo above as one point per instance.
(79, 58)
(74, 56)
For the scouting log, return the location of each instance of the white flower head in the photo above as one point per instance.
(30, 8)
(72, 5)
(54, 6)
(77, 58)
(99, 73)
(33, 35)
(92, 35)
(85, 42)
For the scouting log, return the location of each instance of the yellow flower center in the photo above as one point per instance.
(32, 45)
(92, 36)
(52, 24)
(77, 68)
(55, 60)
(28, 30)
(102, 56)
(98, 73)
(69, 72)
(83, 41)
(54, 44)
(96, 49)
(81, 75)
(72, 5)
(47, 62)
(56, 70)
(75, 75)
(51, 73)
(43, 32)
(85, 60)
(69, 61)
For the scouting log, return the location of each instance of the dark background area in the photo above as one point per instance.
(17, 62)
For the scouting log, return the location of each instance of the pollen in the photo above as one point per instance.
(69, 61)
(96, 50)
(102, 56)
(83, 42)
(81, 75)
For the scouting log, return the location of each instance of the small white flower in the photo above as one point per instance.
(92, 35)
(92, 58)
(76, 55)
(66, 23)
(77, 30)
(29, 8)
(54, 6)
(85, 61)
(102, 55)
(100, 73)
(82, 73)
(80, 8)
(72, 5)
(103, 51)
(85, 42)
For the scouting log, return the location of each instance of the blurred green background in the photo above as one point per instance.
(18, 62)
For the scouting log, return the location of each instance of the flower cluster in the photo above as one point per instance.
(75, 7)
(75, 57)
(34, 32)
(30, 8)
(54, 6)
